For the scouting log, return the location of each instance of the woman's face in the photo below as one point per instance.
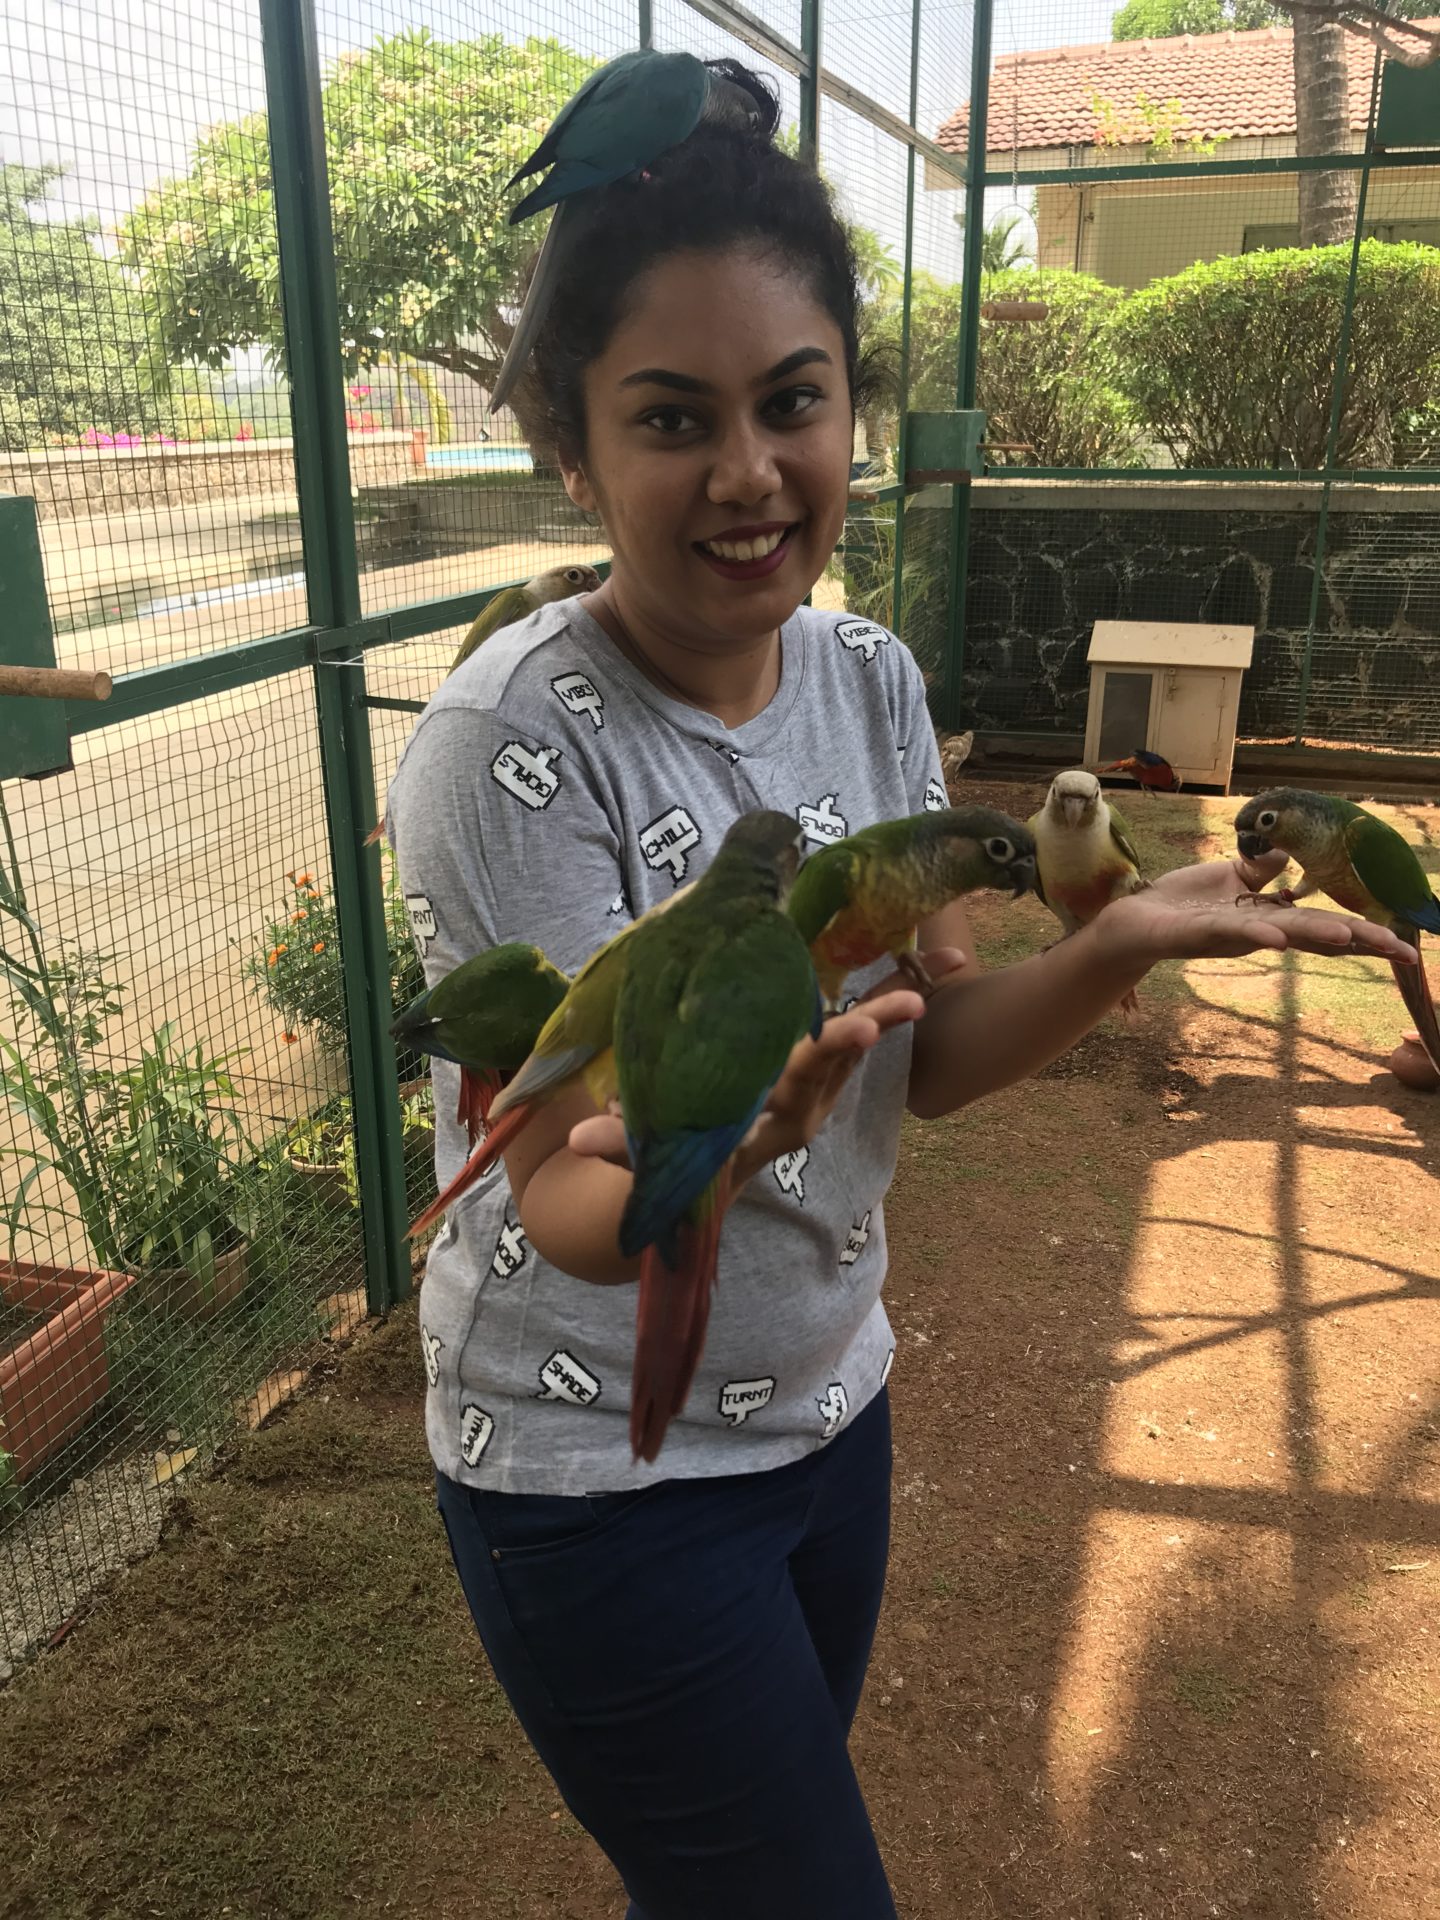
(718, 444)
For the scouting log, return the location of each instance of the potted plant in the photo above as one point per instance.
(321, 1150)
(296, 963)
(174, 1152)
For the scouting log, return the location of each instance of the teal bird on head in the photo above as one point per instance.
(483, 1017)
(716, 993)
(1364, 865)
(862, 898)
(626, 115)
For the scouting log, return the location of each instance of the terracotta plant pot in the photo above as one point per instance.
(325, 1181)
(178, 1291)
(52, 1378)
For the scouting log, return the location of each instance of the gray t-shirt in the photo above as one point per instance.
(548, 793)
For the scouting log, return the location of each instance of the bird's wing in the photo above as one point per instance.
(1385, 864)
(602, 83)
(512, 604)
(1120, 834)
(823, 888)
(538, 298)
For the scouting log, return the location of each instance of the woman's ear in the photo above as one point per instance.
(577, 484)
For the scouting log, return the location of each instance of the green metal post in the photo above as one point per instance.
(810, 18)
(909, 268)
(1337, 408)
(647, 25)
(967, 369)
(322, 479)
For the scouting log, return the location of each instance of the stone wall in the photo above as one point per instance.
(1048, 559)
(78, 483)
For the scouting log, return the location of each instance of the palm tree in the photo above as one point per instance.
(1000, 249)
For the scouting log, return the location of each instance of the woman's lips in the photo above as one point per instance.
(752, 558)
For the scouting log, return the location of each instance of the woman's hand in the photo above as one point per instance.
(1195, 913)
(804, 1096)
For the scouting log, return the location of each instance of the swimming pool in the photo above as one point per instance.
(489, 458)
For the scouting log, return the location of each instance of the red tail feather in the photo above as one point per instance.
(485, 1156)
(477, 1092)
(671, 1316)
(1414, 988)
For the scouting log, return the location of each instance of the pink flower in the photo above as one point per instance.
(359, 393)
(247, 432)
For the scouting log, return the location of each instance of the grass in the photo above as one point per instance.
(1208, 1692)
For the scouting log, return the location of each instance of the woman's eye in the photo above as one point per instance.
(670, 420)
(793, 400)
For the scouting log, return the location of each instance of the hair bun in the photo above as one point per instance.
(762, 91)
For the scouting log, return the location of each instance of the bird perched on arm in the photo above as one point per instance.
(1154, 774)
(484, 1017)
(716, 994)
(863, 898)
(1364, 865)
(626, 115)
(1083, 855)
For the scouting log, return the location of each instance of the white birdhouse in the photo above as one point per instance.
(1170, 687)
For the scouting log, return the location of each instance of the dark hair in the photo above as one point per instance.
(723, 187)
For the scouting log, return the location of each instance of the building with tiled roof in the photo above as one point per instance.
(1094, 106)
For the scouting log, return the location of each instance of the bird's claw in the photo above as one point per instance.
(1279, 897)
(913, 967)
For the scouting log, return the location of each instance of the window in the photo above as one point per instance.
(1267, 239)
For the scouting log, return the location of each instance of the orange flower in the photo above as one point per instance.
(319, 947)
(313, 893)
(303, 914)
(300, 879)
(289, 1038)
(291, 874)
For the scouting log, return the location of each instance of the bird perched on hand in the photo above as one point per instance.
(626, 115)
(483, 1017)
(863, 897)
(1364, 865)
(1154, 774)
(517, 603)
(716, 993)
(508, 606)
(574, 1047)
(1083, 855)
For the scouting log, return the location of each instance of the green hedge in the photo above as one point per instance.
(1231, 363)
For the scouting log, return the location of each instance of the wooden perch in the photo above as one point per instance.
(54, 683)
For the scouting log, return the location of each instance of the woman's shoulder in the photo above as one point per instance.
(864, 656)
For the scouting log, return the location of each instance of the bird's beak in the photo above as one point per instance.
(1022, 876)
(1252, 845)
(1073, 808)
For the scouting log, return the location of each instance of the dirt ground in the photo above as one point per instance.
(1161, 1638)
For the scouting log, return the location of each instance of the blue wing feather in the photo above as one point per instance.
(671, 1172)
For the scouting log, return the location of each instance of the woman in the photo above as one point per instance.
(685, 1643)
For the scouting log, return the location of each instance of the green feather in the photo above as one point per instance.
(1120, 834)
(503, 611)
(823, 887)
(1386, 865)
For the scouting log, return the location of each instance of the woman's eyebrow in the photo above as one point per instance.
(687, 383)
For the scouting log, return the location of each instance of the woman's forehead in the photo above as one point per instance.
(717, 317)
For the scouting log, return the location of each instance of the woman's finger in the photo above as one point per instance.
(602, 1137)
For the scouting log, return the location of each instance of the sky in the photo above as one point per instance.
(117, 90)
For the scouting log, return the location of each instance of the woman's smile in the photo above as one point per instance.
(748, 553)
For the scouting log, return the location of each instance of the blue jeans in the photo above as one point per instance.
(686, 1659)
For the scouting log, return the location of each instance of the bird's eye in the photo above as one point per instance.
(1266, 820)
(574, 576)
(1000, 849)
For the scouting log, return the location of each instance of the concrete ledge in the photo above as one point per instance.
(997, 495)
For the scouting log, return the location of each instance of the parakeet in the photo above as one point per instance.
(862, 898)
(1154, 774)
(1083, 854)
(484, 1017)
(574, 1043)
(516, 603)
(626, 115)
(715, 995)
(1364, 865)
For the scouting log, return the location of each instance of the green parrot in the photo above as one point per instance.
(517, 603)
(716, 993)
(483, 1017)
(626, 115)
(863, 897)
(1083, 855)
(1364, 865)
(574, 1045)
(514, 603)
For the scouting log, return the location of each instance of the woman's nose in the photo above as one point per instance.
(745, 469)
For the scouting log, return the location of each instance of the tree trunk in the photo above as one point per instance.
(1322, 125)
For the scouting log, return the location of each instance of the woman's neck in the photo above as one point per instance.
(732, 686)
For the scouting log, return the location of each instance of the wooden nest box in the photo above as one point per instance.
(1170, 687)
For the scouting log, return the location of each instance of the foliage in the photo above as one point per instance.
(1157, 125)
(1164, 19)
(1231, 363)
(1047, 383)
(1001, 249)
(326, 1138)
(74, 349)
(175, 1149)
(298, 968)
(421, 137)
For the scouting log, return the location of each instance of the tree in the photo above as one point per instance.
(1000, 250)
(73, 346)
(421, 136)
(1322, 96)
